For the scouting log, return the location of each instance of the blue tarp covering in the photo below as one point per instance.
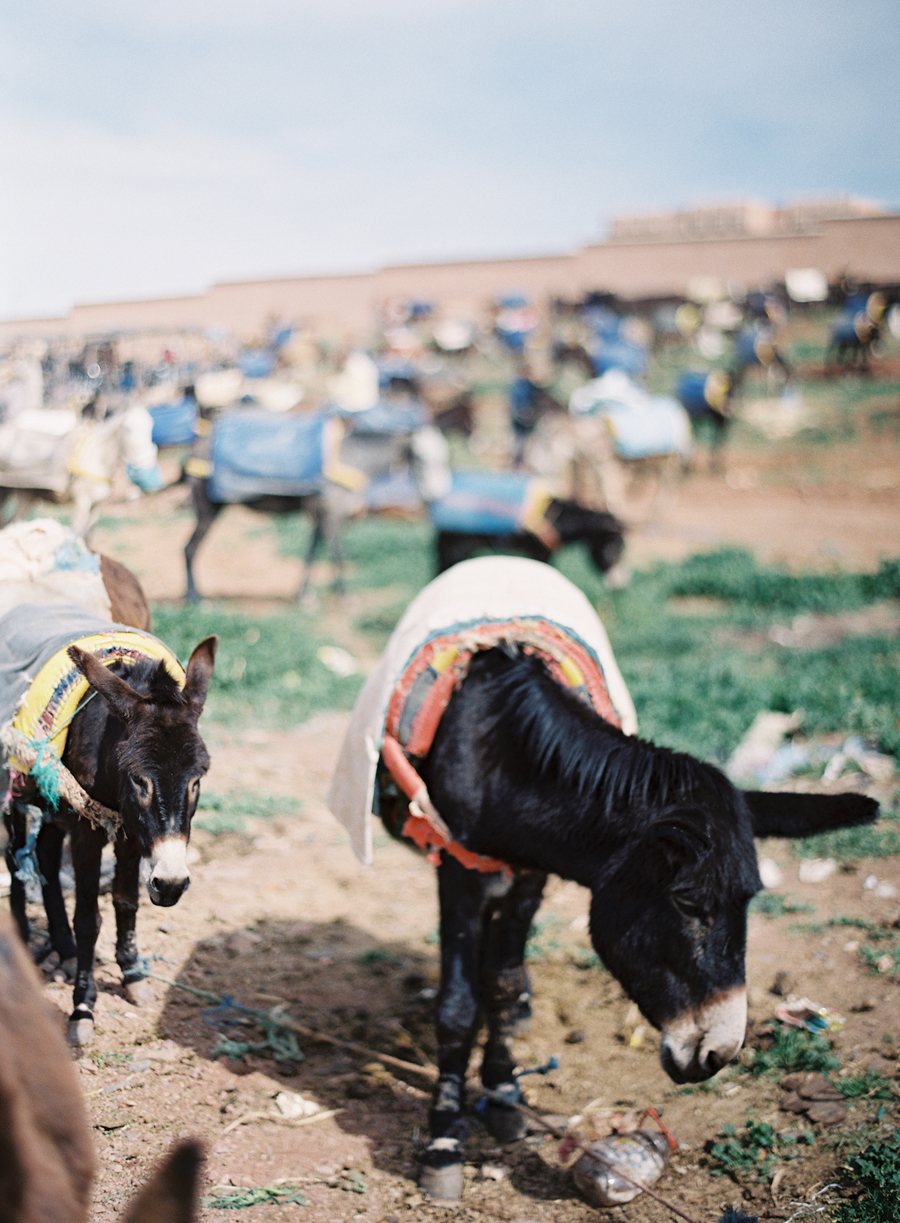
(658, 428)
(616, 353)
(174, 424)
(396, 491)
(691, 391)
(257, 453)
(256, 364)
(484, 502)
(386, 417)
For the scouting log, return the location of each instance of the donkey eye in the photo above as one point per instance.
(143, 787)
(689, 907)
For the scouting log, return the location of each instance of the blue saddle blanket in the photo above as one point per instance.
(174, 424)
(266, 454)
(386, 418)
(489, 503)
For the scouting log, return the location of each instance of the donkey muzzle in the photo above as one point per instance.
(168, 877)
(698, 1043)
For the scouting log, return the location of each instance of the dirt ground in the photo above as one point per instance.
(284, 917)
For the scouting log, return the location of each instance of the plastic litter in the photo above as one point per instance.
(642, 1155)
(801, 1013)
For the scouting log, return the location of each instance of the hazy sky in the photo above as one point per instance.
(153, 148)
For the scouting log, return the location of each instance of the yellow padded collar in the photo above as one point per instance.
(59, 686)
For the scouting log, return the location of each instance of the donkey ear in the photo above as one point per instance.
(119, 696)
(170, 1196)
(675, 842)
(803, 815)
(199, 672)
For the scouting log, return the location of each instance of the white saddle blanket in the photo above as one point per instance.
(491, 588)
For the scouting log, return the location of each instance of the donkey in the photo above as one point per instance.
(48, 1164)
(138, 754)
(528, 771)
(333, 489)
(78, 464)
(855, 335)
(563, 522)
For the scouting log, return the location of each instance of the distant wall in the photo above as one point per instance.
(345, 306)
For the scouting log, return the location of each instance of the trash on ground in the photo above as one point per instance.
(801, 1013)
(337, 659)
(291, 1104)
(615, 1169)
(769, 753)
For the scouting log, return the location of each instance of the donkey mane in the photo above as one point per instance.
(561, 736)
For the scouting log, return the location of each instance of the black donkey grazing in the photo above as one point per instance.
(515, 513)
(125, 767)
(508, 750)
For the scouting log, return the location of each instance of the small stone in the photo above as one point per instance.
(493, 1172)
(817, 1087)
(576, 1036)
(780, 987)
(791, 1103)
(826, 1112)
(816, 870)
(770, 873)
(791, 1082)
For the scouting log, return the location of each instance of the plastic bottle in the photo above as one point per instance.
(641, 1154)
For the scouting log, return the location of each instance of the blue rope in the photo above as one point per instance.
(27, 869)
(510, 1094)
(45, 771)
(280, 1040)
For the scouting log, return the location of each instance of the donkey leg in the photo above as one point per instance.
(315, 542)
(506, 991)
(87, 847)
(15, 839)
(337, 508)
(206, 513)
(50, 847)
(125, 904)
(462, 901)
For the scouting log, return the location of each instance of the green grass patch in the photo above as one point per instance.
(788, 1050)
(875, 1173)
(867, 1085)
(880, 840)
(230, 812)
(776, 904)
(752, 1152)
(734, 574)
(267, 670)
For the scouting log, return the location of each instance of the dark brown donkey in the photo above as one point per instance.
(46, 1155)
(137, 751)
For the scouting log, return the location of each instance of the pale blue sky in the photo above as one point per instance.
(153, 148)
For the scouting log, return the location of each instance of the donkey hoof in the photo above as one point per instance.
(506, 1124)
(81, 1030)
(139, 992)
(443, 1184)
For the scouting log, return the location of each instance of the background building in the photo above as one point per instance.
(719, 249)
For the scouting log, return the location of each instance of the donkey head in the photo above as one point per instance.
(670, 917)
(153, 774)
